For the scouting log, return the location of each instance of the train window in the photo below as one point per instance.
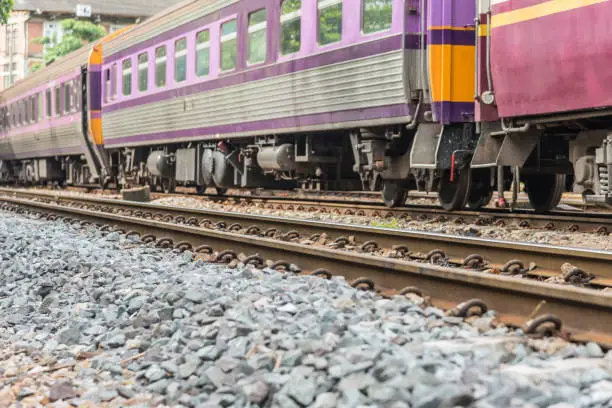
(76, 94)
(203, 53)
(67, 97)
(127, 77)
(376, 15)
(160, 66)
(291, 26)
(34, 108)
(26, 111)
(180, 60)
(258, 25)
(143, 72)
(228, 45)
(330, 21)
(114, 81)
(107, 85)
(20, 112)
(49, 101)
(41, 106)
(57, 102)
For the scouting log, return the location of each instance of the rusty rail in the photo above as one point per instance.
(537, 260)
(586, 314)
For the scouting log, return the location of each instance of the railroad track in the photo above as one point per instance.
(349, 204)
(596, 222)
(571, 221)
(507, 277)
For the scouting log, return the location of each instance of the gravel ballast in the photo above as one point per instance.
(88, 319)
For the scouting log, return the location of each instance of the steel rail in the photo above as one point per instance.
(546, 260)
(586, 314)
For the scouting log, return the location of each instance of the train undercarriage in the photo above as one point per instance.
(393, 160)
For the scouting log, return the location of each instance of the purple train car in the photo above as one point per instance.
(313, 94)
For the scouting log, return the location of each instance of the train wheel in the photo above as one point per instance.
(200, 190)
(480, 189)
(221, 191)
(393, 194)
(454, 194)
(544, 191)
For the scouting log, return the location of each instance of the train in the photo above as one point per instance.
(462, 97)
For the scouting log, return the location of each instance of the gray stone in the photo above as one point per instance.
(381, 393)
(116, 340)
(154, 373)
(158, 387)
(326, 400)
(256, 392)
(302, 390)
(189, 367)
(195, 295)
(125, 391)
(210, 352)
(594, 350)
(107, 395)
(69, 336)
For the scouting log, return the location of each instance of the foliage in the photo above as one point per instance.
(291, 27)
(76, 34)
(330, 24)
(393, 223)
(5, 10)
(377, 15)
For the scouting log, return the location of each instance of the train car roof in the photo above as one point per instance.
(175, 16)
(61, 67)
(58, 68)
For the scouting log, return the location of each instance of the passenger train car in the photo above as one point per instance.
(458, 96)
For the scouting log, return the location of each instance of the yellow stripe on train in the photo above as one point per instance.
(451, 70)
(539, 10)
(95, 126)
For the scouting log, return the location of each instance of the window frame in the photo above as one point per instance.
(34, 108)
(41, 106)
(48, 103)
(183, 54)
(200, 46)
(263, 24)
(114, 81)
(57, 102)
(130, 73)
(165, 62)
(68, 97)
(318, 21)
(288, 17)
(140, 71)
(107, 84)
(235, 38)
(362, 20)
(26, 110)
(19, 114)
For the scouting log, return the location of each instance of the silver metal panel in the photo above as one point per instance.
(423, 154)
(366, 83)
(43, 144)
(186, 165)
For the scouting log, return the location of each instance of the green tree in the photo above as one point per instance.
(76, 34)
(5, 9)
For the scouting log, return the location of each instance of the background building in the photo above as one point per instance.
(41, 18)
